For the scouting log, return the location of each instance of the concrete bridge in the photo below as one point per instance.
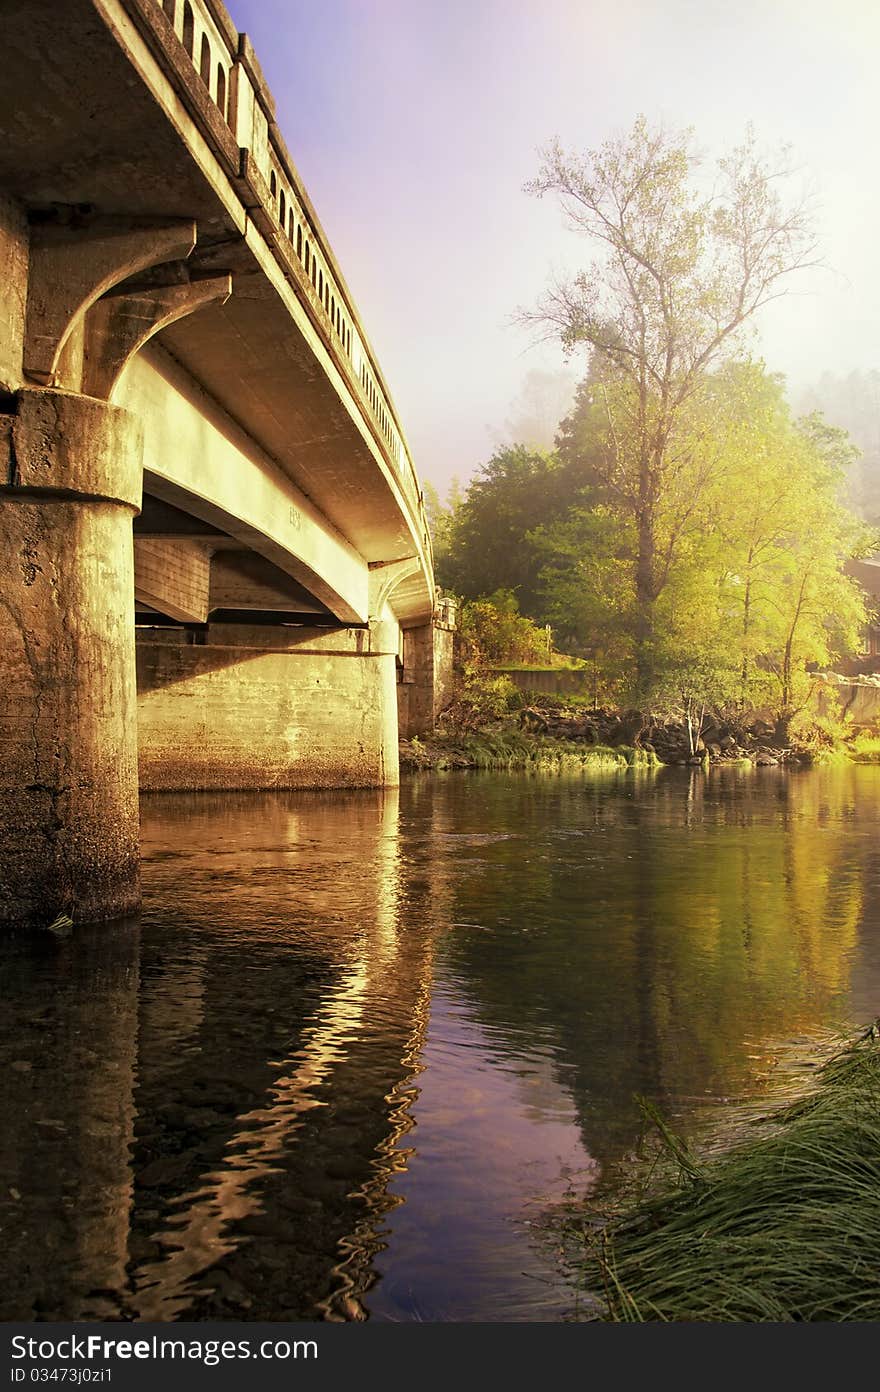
(203, 477)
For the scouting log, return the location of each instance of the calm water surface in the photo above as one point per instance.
(358, 1044)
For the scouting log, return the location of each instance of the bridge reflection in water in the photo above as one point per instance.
(328, 991)
(359, 1040)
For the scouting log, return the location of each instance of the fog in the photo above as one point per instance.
(415, 126)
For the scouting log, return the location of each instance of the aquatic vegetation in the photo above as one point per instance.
(784, 1226)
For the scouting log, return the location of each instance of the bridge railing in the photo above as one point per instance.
(228, 69)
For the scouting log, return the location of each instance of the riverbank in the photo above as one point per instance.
(514, 749)
(557, 738)
(554, 741)
(783, 1225)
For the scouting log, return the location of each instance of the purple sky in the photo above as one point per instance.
(415, 123)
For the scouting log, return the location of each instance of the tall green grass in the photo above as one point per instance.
(785, 1226)
(866, 749)
(511, 749)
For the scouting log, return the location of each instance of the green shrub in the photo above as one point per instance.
(493, 632)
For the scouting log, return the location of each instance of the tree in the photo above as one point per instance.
(752, 533)
(441, 516)
(818, 612)
(782, 502)
(493, 633)
(680, 273)
(487, 541)
(853, 403)
(586, 580)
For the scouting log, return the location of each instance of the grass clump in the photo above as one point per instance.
(783, 1227)
(866, 749)
(516, 750)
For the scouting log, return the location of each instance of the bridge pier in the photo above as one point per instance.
(427, 673)
(71, 467)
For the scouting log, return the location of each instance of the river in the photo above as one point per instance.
(359, 1044)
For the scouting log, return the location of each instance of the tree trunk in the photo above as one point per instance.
(784, 718)
(786, 715)
(645, 609)
(781, 733)
(747, 619)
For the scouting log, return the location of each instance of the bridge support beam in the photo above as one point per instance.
(70, 480)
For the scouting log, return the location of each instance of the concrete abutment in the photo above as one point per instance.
(215, 706)
(257, 707)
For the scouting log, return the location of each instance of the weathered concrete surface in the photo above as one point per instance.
(855, 699)
(68, 770)
(427, 678)
(136, 188)
(173, 576)
(74, 445)
(109, 126)
(316, 711)
(13, 291)
(245, 580)
(71, 266)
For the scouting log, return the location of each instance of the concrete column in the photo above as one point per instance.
(427, 677)
(385, 645)
(68, 740)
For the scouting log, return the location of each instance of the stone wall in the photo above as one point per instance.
(856, 699)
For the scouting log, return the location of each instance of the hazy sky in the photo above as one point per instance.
(415, 123)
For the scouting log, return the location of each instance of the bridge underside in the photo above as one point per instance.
(214, 561)
(99, 145)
